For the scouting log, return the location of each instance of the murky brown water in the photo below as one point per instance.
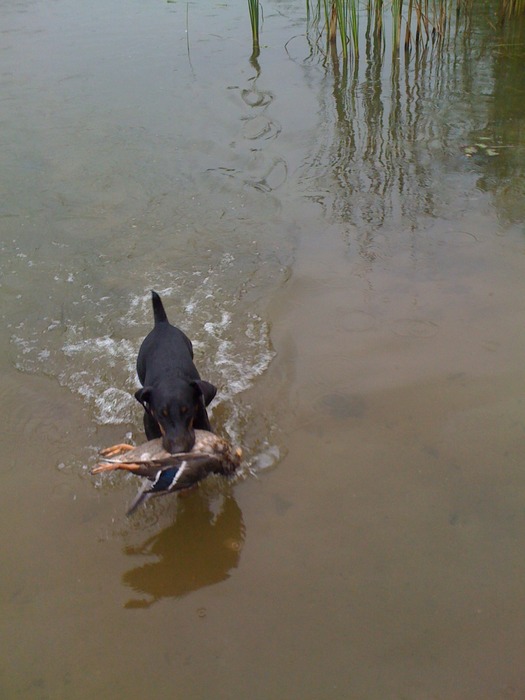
(347, 251)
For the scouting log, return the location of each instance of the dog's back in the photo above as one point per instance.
(165, 349)
(174, 396)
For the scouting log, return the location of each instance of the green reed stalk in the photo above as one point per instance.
(378, 23)
(342, 17)
(255, 13)
(326, 8)
(408, 32)
(341, 14)
(397, 6)
(422, 20)
(354, 24)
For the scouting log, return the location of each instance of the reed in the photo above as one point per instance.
(255, 15)
(415, 23)
(354, 24)
(340, 8)
(378, 18)
(408, 31)
(342, 19)
(511, 8)
(396, 22)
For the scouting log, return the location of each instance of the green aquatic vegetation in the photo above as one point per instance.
(421, 19)
(414, 23)
(255, 15)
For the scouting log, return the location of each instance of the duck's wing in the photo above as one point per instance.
(187, 473)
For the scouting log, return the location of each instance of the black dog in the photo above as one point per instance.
(174, 396)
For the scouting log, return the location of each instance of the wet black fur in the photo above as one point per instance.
(174, 396)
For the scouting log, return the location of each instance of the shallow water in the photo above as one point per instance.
(345, 248)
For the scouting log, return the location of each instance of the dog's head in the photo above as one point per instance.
(175, 409)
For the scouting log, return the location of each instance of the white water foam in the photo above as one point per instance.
(232, 347)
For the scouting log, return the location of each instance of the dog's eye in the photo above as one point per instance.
(165, 412)
(184, 410)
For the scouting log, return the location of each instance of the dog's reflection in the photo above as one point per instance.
(199, 549)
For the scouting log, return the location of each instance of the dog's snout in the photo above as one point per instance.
(183, 443)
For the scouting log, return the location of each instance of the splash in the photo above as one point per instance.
(95, 356)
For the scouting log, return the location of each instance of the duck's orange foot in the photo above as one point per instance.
(112, 466)
(116, 450)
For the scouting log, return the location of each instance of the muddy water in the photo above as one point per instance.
(346, 250)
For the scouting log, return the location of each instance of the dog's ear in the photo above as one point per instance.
(143, 396)
(207, 390)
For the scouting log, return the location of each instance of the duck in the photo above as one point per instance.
(171, 473)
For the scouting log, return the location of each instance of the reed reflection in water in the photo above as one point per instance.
(395, 128)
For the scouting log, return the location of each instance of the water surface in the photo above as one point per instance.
(345, 246)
